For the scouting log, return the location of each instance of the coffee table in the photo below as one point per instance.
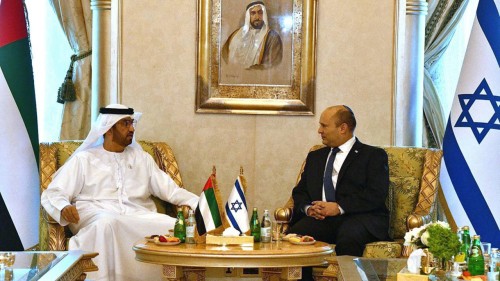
(361, 269)
(277, 258)
(46, 266)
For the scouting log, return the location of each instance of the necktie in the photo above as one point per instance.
(327, 178)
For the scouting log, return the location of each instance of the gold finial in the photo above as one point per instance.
(241, 170)
(213, 169)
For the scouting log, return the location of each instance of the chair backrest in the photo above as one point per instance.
(414, 181)
(53, 155)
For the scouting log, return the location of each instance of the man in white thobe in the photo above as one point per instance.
(103, 193)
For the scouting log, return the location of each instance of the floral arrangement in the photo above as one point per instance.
(437, 237)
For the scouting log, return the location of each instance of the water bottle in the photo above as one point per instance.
(190, 224)
(265, 228)
(463, 253)
(255, 226)
(475, 263)
(180, 227)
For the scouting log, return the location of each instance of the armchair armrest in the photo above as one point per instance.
(284, 215)
(416, 220)
(429, 187)
(56, 239)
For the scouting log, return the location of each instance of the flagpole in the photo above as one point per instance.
(244, 187)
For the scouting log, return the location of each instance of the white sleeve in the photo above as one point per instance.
(165, 188)
(64, 187)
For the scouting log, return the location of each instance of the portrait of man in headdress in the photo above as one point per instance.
(254, 45)
(256, 42)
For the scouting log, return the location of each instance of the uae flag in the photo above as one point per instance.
(207, 214)
(19, 185)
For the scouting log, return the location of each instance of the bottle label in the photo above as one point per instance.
(189, 231)
(474, 251)
(265, 234)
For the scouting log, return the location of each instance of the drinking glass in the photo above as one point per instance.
(278, 230)
(486, 247)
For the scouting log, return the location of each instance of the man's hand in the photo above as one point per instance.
(320, 209)
(70, 214)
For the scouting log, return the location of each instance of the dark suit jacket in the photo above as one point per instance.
(361, 189)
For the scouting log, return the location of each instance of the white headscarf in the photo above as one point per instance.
(247, 43)
(103, 123)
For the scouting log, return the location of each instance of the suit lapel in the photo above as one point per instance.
(353, 154)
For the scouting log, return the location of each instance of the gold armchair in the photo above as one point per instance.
(414, 182)
(53, 237)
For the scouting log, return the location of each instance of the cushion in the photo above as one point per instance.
(382, 249)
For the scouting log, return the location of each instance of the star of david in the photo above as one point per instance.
(236, 205)
(480, 129)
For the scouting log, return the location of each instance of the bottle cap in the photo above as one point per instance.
(465, 227)
(476, 237)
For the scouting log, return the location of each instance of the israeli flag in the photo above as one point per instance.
(236, 207)
(470, 171)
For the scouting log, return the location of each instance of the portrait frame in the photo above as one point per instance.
(294, 97)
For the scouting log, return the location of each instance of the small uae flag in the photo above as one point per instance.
(19, 185)
(208, 215)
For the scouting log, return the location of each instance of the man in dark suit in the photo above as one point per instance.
(341, 195)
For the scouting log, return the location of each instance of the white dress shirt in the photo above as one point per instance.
(344, 150)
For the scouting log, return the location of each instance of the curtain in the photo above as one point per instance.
(443, 18)
(75, 18)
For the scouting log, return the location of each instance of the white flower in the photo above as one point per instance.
(443, 224)
(421, 235)
(425, 238)
(408, 238)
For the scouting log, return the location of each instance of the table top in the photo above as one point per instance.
(359, 268)
(274, 254)
(37, 265)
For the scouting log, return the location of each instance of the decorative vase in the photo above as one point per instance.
(427, 263)
(442, 268)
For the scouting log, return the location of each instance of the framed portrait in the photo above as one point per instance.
(256, 57)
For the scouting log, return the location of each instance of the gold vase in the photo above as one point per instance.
(442, 266)
(427, 263)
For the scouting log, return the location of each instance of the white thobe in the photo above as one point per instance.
(112, 193)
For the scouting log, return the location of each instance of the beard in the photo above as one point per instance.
(123, 140)
(257, 24)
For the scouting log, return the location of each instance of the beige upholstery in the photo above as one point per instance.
(414, 182)
(53, 237)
